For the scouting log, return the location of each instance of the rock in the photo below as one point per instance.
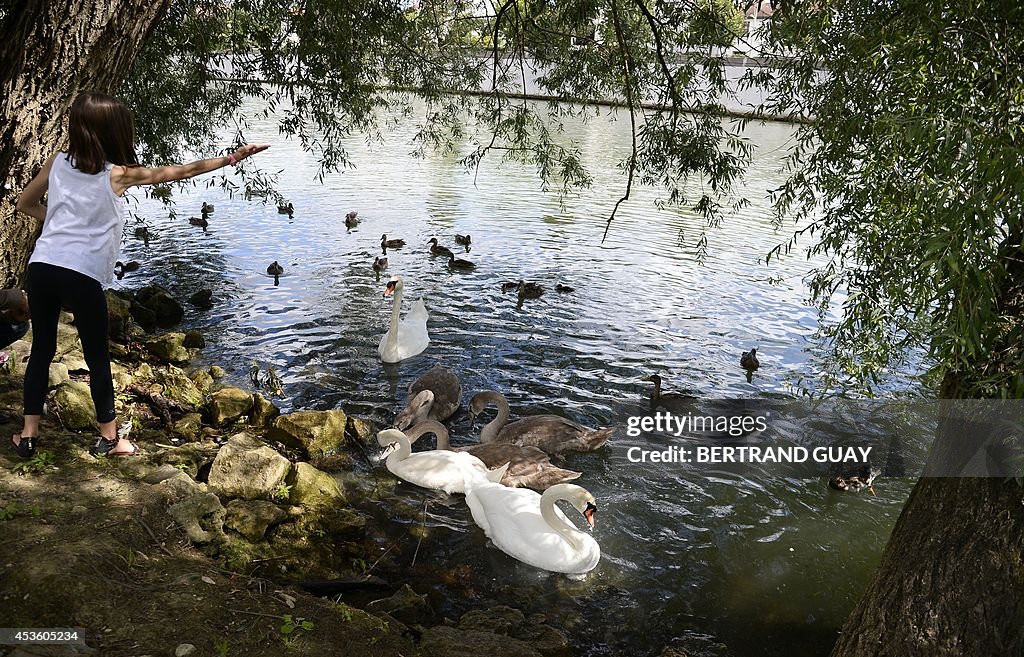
(444, 641)
(227, 405)
(67, 337)
(263, 410)
(194, 340)
(118, 316)
(251, 519)
(248, 469)
(500, 620)
(74, 406)
(167, 311)
(217, 372)
(162, 473)
(312, 487)
(58, 374)
(202, 379)
(178, 386)
(184, 650)
(320, 433)
(178, 487)
(75, 361)
(143, 371)
(189, 426)
(169, 347)
(203, 299)
(695, 644)
(546, 640)
(362, 432)
(191, 513)
(143, 316)
(405, 605)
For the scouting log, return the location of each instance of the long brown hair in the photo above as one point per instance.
(102, 130)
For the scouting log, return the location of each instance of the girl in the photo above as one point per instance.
(75, 254)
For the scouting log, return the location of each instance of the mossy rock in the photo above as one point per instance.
(312, 487)
(74, 406)
(248, 469)
(169, 347)
(179, 387)
(319, 433)
(190, 426)
(227, 405)
(263, 411)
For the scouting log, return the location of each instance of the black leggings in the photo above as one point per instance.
(49, 288)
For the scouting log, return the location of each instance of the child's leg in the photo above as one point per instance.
(86, 300)
(44, 303)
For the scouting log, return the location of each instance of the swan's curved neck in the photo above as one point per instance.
(490, 431)
(561, 527)
(430, 426)
(403, 451)
(396, 307)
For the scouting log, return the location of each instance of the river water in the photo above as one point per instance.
(769, 564)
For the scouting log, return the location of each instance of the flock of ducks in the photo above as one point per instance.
(500, 476)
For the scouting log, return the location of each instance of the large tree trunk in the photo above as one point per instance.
(51, 50)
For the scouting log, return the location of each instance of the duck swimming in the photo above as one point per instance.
(202, 222)
(352, 219)
(463, 240)
(274, 269)
(659, 398)
(285, 208)
(437, 249)
(748, 360)
(385, 243)
(456, 263)
(379, 265)
(206, 208)
(530, 290)
(854, 483)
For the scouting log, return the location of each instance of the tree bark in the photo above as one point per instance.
(51, 51)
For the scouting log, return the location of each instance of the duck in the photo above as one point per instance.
(437, 249)
(456, 263)
(435, 469)
(659, 398)
(352, 219)
(206, 208)
(409, 337)
(274, 269)
(854, 483)
(463, 240)
(552, 433)
(748, 360)
(379, 265)
(530, 290)
(508, 286)
(121, 268)
(564, 288)
(202, 222)
(385, 243)
(528, 467)
(435, 395)
(286, 208)
(527, 525)
(142, 233)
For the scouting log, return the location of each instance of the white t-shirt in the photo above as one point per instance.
(84, 222)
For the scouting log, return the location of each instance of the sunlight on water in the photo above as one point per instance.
(769, 565)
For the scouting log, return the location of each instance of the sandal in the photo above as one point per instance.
(26, 446)
(105, 447)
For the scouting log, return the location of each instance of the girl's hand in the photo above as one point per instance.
(249, 149)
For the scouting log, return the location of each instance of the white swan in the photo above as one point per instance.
(527, 526)
(409, 337)
(436, 469)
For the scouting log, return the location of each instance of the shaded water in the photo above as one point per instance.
(768, 564)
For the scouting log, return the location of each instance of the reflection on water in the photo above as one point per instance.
(768, 564)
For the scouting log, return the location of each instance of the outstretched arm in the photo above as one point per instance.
(123, 177)
(30, 201)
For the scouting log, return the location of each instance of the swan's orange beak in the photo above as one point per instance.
(589, 513)
(390, 288)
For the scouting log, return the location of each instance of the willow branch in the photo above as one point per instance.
(632, 115)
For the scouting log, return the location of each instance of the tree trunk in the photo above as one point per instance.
(52, 50)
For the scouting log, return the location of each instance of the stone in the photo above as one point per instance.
(312, 487)
(144, 371)
(444, 641)
(178, 387)
(161, 473)
(248, 469)
(202, 379)
(251, 519)
(546, 640)
(118, 316)
(203, 299)
(500, 620)
(406, 606)
(75, 361)
(320, 433)
(143, 316)
(194, 340)
(58, 374)
(695, 644)
(184, 650)
(217, 372)
(169, 347)
(190, 426)
(178, 486)
(201, 516)
(167, 311)
(227, 405)
(73, 403)
(362, 432)
(67, 337)
(263, 411)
